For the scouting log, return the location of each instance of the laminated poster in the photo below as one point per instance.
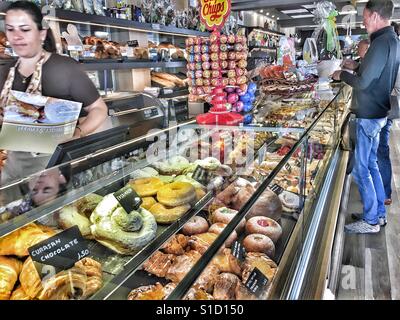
(34, 123)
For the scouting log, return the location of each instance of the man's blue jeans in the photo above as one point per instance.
(385, 166)
(366, 171)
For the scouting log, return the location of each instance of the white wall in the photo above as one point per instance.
(253, 19)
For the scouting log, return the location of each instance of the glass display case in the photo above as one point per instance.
(196, 196)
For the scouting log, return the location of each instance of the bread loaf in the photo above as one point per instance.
(163, 82)
(169, 77)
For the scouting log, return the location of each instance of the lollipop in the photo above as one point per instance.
(240, 39)
(239, 106)
(216, 82)
(224, 64)
(197, 58)
(192, 66)
(189, 41)
(207, 89)
(241, 80)
(243, 87)
(214, 56)
(199, 74)
(248, 118)
(223, 55)
(192, 82)
(206, 73)
(206, 82)
(252, 88)
(191, 58)
(233, 98)
(213, 37)
(238, 47)
(242, 64)
(231, 74)
(215, 65)
(232, 81)
(223, 47)
(199, 82)
(193, 90)
(230, 89)
(215, 73)
(231, 64)
(231, 39)
(191, 74)
(197, 49)
(200, 91)
(252, 98)
(205, 48)
(239, 72)
(245, 98)
(198, 66)
(225, 81)
(206, 65)
(223, 39)
(214, 47)
(197, 41)
(232, 55)
(205, 57)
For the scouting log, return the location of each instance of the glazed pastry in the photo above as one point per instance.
(259, 243)
(159, 264)
(152, 292)
(209, 163)
(124, 233)
(261, 262)
(69, 216)
(225, 215)
(198, 294)
(201, 242)
(166, 179)
(175, 165)
(30, 280)
(18, 242)
(165, 215)
(148, 202)
(265, 226)
(194, 183)
(177, 245)
(195, 225)
(87, 204)
(176, 194)
(19, 294)
(225, 286)
(10, 269)
(146, 187)
(290, 200)
(147, 172)
(207, 278)
(226, 262)
(182, 265)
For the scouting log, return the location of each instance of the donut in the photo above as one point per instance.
(265, 226)
(218, 227)
(176, 194)
(209, 163)
(144, 173)
(195, 225)
(259, 243)
(200, 193)
(165, 215)
(148, 202)
(225, 215)
(146, 187)
(175, 165)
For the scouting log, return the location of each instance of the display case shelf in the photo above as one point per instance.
(105, 65)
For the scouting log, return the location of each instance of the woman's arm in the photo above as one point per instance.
(97, 114)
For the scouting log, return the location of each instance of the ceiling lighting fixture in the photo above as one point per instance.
(267, 13)
(294, 11)
(302, 16)
(309, 6)
(261, 10)
(277, 18)
(348, 12)
(273, 16)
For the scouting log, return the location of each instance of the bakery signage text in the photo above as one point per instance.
(213, 13)
(61, 251)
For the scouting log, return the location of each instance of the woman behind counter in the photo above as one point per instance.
(40, 70)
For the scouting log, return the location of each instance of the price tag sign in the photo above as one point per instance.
(257, 282)
(238, 251)
(128, 199)
(297, 163)
(288, 167)
(277, 189)
(59, 252)
(202, 175)
(133, 43)
(262, 153)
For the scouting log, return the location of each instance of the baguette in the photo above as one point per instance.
(163, 82)
(169, 77)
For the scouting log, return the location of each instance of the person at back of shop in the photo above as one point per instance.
(384, 162)
(373, 84)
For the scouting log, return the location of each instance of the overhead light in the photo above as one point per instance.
(277, 18)
(302, 16)
(294, 11)
(348, 12)
(273, 16)
(267, 13)
(261, 10)
(309, 6)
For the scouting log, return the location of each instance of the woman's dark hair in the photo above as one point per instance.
(396, 28)
(382, 7)
(34, 11)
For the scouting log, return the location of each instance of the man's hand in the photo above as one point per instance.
(349, 64)
(336, 75)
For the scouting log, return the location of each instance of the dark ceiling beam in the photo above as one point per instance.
(259, 4)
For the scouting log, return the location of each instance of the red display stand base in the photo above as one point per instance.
(221, 118)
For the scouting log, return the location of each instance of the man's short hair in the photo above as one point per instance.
(396, 27)
(382, 7)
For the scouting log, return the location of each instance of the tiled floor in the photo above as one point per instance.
(371, 263)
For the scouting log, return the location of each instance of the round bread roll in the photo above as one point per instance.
(176, 194)
(265, 226)
(218, 227)
(225, 215)
(195, 225)
(259, 243)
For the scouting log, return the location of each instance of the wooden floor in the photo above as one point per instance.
(371, 263)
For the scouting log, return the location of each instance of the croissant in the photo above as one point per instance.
(79, 282)
(18, 242)
(9, 271)
(19, 294)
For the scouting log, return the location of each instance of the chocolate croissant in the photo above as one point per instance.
(10, 269)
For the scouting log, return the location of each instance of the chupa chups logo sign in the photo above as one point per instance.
(213, 13)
